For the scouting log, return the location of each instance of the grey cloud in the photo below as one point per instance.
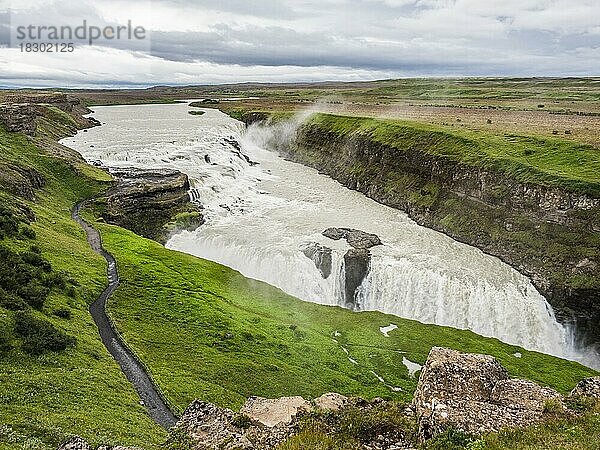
(401, 37)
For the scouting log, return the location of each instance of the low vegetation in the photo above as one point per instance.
(348, 430)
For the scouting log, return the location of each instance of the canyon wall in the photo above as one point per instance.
(547, 233)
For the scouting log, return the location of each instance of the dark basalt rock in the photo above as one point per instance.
(237, 150)
(18, 117)
(145, 201)
(356, 238)
(321, 256)
(356, 268)
(356, 260)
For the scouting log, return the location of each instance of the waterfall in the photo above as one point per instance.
(261, 218)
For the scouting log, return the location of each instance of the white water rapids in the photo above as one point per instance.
(260, 218)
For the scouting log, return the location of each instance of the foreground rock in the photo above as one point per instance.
(75, 443)
(590, 387)
(147, 201)
(472, 393)
(356, 260)
(261, 423)
(273, 412)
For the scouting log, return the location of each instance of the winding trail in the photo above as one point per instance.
(130, 365)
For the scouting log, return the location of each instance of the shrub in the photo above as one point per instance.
(28, 275)
(241, 421)
(71, 292)
(63, 313)
(36, 260)
(54, 280)
(5, 335)
(34, 294)
(9, 225)
(450, 440)
(28, 233)
(11, 301)
(40, 336)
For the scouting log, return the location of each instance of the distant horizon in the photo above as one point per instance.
(142, 87)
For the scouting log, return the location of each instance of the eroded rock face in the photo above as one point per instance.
(21, 180)
(18, 117)
(473, 393)
(590, 387)
(144, 201)
(272, 412)
(321, 256)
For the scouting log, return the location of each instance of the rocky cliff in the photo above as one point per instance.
(23, 112)
(151, 203)
(550, 234)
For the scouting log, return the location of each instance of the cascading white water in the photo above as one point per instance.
(261, 217)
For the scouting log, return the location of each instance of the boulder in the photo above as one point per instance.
(472, 393)
(75, 443)
(211, 427)
(590, 387)
(272, 412)
(332, 401)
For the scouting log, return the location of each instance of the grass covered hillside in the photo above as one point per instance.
(56, 378)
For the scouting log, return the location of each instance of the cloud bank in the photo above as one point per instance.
(208, 41)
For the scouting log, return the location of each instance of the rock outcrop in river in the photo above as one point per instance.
(356, 260)
(152, 203)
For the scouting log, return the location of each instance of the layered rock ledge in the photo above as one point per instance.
(152, 202)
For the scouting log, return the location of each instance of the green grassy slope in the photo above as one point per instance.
(206, 331)
(546, 161)
(46, 398)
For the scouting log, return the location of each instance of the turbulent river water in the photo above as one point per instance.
(260, 218)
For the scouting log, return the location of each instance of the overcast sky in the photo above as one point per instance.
(206, 41)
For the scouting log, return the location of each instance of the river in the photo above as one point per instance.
(263, 211)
